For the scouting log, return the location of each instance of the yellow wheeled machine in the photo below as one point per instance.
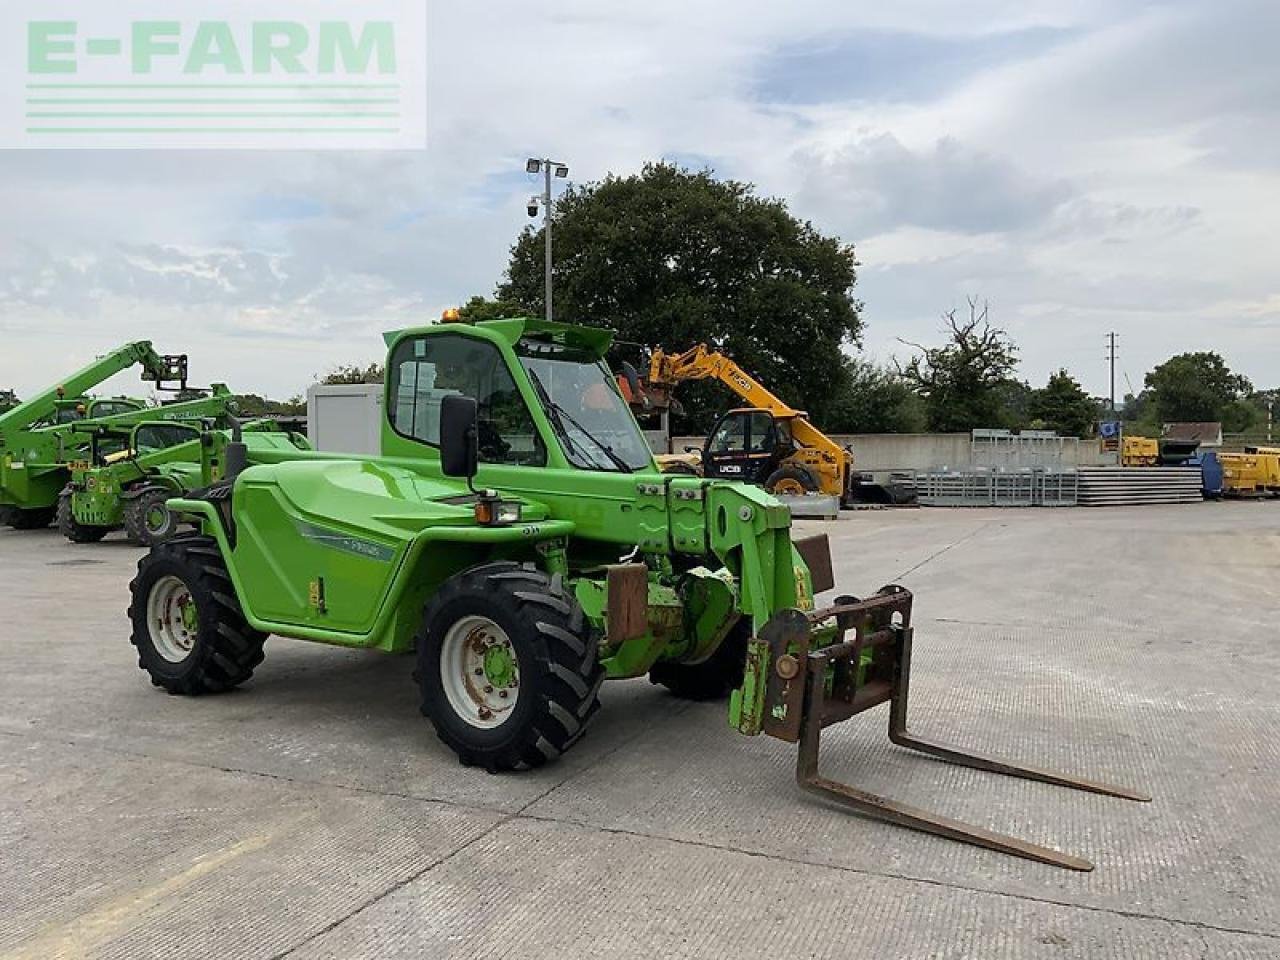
(767, 442)
(1254, 473)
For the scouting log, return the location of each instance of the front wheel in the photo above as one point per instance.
(507, 667)
(148, 519)
(74, 530)
(191, 634)
(792, 481)
(715, 677)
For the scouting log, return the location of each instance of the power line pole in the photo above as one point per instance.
(1111, 355)
(546, 166)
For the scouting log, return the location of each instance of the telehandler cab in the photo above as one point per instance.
(516, 533)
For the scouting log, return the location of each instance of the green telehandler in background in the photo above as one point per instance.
(36, 439)
(516, 536)
(130, 471)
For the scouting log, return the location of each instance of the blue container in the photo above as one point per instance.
(1210, 473)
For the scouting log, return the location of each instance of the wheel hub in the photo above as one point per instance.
(156, 516)
(499, 667)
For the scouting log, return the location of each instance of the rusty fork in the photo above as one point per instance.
(831, 684)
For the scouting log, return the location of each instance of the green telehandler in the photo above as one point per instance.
(36, 438)
(516, 536)
(130, 471)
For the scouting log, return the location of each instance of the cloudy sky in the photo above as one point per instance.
(1085, 166)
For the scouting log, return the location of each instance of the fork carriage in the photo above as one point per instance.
(812, 687)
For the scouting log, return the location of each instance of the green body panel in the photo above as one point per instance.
(348, 550)
(302, 553)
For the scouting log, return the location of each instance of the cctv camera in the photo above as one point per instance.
(533, 209)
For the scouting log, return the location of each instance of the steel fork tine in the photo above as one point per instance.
(899, 734)
(891, 811)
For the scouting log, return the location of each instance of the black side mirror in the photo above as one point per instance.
(459, 443)
(637, 389)
(235, 458)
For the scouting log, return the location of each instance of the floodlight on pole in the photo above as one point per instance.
(547, 167)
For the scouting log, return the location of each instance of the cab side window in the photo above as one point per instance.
(154, 437)
(425, 370)
(108, 408)
(730, 436)
(763, 435)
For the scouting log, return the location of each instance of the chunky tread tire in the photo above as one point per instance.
(36, 519)
(135, 519)
(226, 649)
(799, 475)
(71, 529)
(714, 678)
(557, 650)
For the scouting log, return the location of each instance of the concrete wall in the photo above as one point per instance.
(911, 452)
(907, 452)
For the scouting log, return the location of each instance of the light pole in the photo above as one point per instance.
(1111, 355)
(548, 167)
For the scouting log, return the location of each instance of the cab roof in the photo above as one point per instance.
(596, 340)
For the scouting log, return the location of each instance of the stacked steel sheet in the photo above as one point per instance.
(1135, 486)
(990, 487)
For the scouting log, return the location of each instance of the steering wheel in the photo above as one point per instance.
(493, 448)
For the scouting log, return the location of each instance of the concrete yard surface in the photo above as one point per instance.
(313, 814)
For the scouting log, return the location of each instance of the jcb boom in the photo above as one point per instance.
(769, 442)
(516, 536)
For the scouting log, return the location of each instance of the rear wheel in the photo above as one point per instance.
(148, 519)
(791, 481)
(507, 667)
(714, 678)
(36, 519)
(72, 529)
(191, 634)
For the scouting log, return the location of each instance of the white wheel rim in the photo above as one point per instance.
(480, 672)
(171, 619)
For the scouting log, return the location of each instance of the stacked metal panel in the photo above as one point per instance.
(985, 487)
(1135, 486)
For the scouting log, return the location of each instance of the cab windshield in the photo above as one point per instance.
(595, 427)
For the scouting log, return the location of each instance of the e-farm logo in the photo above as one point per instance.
(312, 74)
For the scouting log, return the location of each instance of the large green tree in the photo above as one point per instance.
(479, 309)
(875, 400)
(1195, 387)
(968, 381)
(255, 405)
(1064, 406)
(345, 373)
(671, 257)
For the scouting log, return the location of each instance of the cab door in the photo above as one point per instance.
(742, 446)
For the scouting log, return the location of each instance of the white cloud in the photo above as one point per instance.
(1118, 179)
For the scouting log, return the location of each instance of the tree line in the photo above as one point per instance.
(672, 257)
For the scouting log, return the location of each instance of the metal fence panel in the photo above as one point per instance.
(987, 487)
